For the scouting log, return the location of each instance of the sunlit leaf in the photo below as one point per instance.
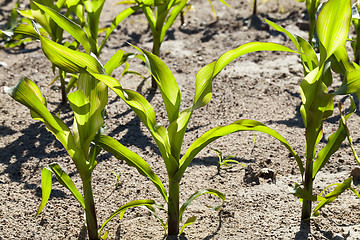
(46, 185)
(132, 159)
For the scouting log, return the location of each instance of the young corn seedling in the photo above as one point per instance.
(332, 27)
(161, 15)
(88, 103)
(318, 101)
(225, 161)
(312, 8)
(170, 139)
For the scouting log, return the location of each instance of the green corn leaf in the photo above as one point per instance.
(17, 43)
(93, 94)
(80, 105)
(355, 192)
(203, 87)
(303, 194)
(132, 159)
(62, 3)
(232, 161)
(71, 3)
(96, 91)
(13, 18)
(176, 131)
(105, 236)
(71, 83)
(117, 20)
(215, 133)
(27, 93)
(330, 197)
(113, 62)
(225, 3)
(69, 26)
(172, 97)
(26, 13)
(166, 82)
(41, 18)
(309, 57)
(124, 207)
(86, 125)
(46, 185)
(341, 63)
(146, 113)
(333, 144)
(308, 94)
(198, 194)
(66, 181)
(317, 106)
(149, 14)
(286, 32)
(94, 9)
(26, 30)
(188, 222)
(69, 60)
(333, 26)
(172, 17)
(127, 2)
(352, 84)
(151, 209)
(120, 58)
(229, 56)
(336, 139)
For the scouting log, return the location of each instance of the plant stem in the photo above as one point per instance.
(255, 7)
(91, 221)
(357, 44)
(173, 207)
(308, 186)
(312, 16)
(156, 51)
(63, 88)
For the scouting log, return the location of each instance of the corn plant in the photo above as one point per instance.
(88, 103)
(332, 28)
(317, 101)
(169, 140)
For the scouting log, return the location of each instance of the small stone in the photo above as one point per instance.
(3, 64)
(338, 237)
(268, 173)
(355, 172)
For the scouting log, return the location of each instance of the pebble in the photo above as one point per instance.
(338, 237)
(355, 172)
(3, 64)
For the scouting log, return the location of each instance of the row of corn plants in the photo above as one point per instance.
(160, 14)
(87, 137)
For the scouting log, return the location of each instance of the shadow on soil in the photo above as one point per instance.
(30, 145)
(305, 233)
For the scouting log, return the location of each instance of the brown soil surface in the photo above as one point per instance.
(260, 86)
